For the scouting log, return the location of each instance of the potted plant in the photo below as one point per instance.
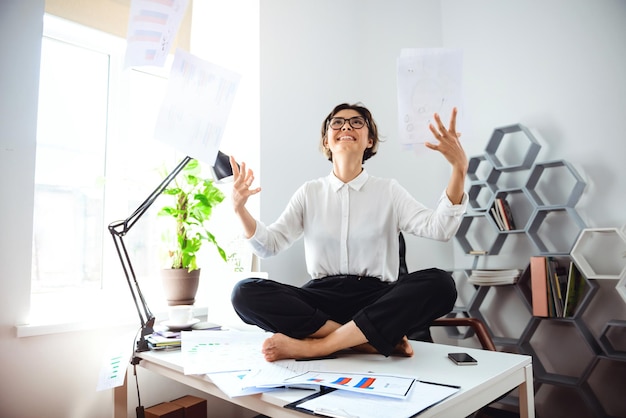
(194, 200)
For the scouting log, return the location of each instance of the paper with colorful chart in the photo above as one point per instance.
(371, 384)
(152, 28)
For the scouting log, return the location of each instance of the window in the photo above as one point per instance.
(96, 161)
(71, 144)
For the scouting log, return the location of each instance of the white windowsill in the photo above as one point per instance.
(99, 310)
(41, 328)
(57, 313)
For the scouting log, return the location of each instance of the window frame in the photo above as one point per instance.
(91, 308)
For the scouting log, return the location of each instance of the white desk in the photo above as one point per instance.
(496, 374)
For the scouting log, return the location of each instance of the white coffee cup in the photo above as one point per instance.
(181, 314)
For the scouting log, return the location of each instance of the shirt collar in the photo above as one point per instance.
(355, 184)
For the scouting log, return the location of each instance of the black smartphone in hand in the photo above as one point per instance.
(462, 359)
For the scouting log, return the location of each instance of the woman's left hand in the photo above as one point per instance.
(448, 142)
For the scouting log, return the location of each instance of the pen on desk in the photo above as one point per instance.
(334, 413)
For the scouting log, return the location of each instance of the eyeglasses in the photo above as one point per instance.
(355, 122)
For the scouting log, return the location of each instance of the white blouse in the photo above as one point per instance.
(352, 228)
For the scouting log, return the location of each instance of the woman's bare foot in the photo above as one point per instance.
(403, 348)
(280, 346)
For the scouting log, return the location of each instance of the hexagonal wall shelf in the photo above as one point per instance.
(542, 200)
(610, 342)
(600, 253)
(554, 184)
(571, 333)
(519, 154)
(608, 397)
(503, 333)
(479, 168)
(621, 287)
(478, 233)
(554, 231)
(479, 195)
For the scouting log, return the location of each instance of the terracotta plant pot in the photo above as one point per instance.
(180, 286)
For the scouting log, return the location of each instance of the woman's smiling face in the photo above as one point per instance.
(347, 139)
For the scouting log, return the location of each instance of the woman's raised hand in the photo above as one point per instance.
(242, 181)
(448, 142)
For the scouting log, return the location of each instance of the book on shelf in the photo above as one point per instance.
(555, 289)
(502, 215)
(575, 290)
(539, 286)
(556, 306)
(496, 218)
(494, 277)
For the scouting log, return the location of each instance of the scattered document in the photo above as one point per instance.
(231, 383)
(345, 404)
(221, 351)
(280, 372)
(371, 384)
(113, 369)
(198, 100)
(269, 376)
(429, 82)
(152, 27)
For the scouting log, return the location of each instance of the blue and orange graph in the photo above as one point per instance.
(342, 381)
(365, 383)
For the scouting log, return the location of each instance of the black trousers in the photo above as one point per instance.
(383, 311)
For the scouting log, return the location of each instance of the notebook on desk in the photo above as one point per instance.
(336, 403)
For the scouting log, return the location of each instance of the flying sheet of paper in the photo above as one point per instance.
(221, 351)
(429, 82)
(193, 116)
(152, 27)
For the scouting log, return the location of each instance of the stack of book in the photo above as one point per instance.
(494, 277)
(501, 214)
(164, 340)
(556, 290)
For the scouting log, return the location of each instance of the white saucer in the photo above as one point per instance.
(178, 327)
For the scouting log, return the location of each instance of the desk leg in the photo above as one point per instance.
(120, 400)
(527, 395)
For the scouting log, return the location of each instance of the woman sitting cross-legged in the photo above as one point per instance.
(350, 223)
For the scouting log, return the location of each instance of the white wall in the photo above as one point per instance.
(315, 55)
(558, 67)
(555, 66)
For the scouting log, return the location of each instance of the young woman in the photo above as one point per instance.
(350, 222)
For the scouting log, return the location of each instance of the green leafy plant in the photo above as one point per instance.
(195, 197)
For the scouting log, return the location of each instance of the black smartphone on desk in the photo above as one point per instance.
(462, 359)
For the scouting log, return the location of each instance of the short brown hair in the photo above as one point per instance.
(369, 121)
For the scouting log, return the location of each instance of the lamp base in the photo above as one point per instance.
(146, 330)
